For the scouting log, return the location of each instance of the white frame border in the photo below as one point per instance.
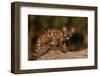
(25, 64)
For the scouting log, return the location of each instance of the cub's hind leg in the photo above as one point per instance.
(42, 51)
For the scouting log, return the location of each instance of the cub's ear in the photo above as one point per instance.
(68, 28)
(73, 30)
(64, 28)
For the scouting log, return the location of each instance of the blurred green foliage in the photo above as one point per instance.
(40, 23)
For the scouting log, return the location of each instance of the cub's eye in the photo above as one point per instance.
(64, 35)
(70, 36)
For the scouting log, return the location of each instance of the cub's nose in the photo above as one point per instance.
(67, 38)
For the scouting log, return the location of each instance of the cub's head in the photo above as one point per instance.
(68, 30)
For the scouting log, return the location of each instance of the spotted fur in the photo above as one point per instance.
(52, 38)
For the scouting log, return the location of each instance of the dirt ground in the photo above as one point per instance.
(57, 54)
